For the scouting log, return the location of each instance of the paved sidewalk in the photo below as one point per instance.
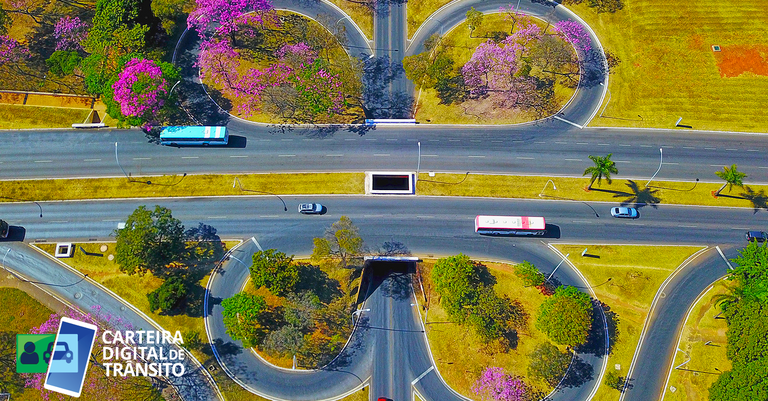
(66, 285)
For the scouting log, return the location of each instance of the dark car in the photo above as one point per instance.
(624, 212)
(62, 352)
(758, 236)
(310, 208)
(4, 229)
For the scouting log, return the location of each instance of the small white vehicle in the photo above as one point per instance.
(624, 212)
(310, 208)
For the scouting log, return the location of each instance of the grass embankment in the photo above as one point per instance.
(419, 11)
(635, 274)
(459, 46)
(362, 15)
(668, 67)
(19, 117)
(624, 191)
(191, 185)
(458, 350)
(693, 380)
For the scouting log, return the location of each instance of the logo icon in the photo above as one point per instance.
(30, 350)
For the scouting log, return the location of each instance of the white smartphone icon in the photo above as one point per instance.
(68, 357)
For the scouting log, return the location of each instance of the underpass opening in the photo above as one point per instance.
(377, 269)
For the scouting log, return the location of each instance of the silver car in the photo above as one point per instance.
(624, 212)
(310, 208)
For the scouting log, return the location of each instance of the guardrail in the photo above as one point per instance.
(390, 121)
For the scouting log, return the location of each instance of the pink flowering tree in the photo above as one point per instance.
(574, 33)
(69, 33)
(256, 83)
(492, 67)
(299, 55)
(219, 62)
(495, 385)
(11, 51)
(142, 90)
(228, 15)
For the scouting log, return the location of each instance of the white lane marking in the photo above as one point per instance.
(582, 143)
(626, 161)
(269, 216)
(752, 150)
(286, 155)
(688, 147)
(217, 217)
(524, 158)
(265, 140)
(421, 376)
(603, 144)
(350, 139)
(573, 160)
(739, 228)
(370, 139)
(724, 258)
(428, 155)
(91, 160)
(43, 161)
(454, 140)
(710, 148)
(539, 142)
(497, 141)
(672, 164)
(583, 221)
(238, 156)
(715, 165)
(668, 147)
(190, 157)
(425, 217)
(732, 150)
(142, 158)
(561, 143)
(111, 220)
(762, 167)
(373, 215)
(635, 224)
(391, 139)
(257, 243)
(478, 157)
(644, 146)
(686, 226)
(58, 221)
(335, 155)
(624, 145)
(381, 154)
(287, 140)
(569, 122)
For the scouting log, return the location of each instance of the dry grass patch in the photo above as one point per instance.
(362, 15)
(419, 11)
(20, 117)
(702, 370)
(625, 279)
(669, 69)
(458, 350)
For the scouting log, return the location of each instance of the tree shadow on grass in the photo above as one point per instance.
(640, 197)
(759, 199)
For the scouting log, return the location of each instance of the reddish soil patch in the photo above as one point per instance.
(736, 60)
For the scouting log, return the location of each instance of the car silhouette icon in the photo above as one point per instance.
(62, 352)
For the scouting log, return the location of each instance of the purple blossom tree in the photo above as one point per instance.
(574, 32)
(69, 33)
(11, 51)
(140, 90)
(219, 62)
(252, 85)
(495, 385)
(492, 67)
(299, 55)
(228, 14)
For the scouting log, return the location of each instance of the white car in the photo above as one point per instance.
(624, 212)
(310, 208)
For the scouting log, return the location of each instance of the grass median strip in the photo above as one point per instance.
(625, 279)
(178, 185)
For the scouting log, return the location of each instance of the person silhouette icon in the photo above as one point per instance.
(29, 356)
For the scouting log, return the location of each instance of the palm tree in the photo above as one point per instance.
(732, 177)
(603, 167)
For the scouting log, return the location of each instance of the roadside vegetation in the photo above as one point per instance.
(745, 308)
(625, 280)
(296, 308)
(497, 330)
(703, 339)
(497, 68)
(23, 117)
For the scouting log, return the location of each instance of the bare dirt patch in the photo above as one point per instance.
(737, 60)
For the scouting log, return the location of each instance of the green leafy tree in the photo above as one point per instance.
(732, 176)
(341, 242)
(566, 316)
(548, 363)
(169, 11)
(751, 272)
(274, 270)
(495, 317)
(5, 22)
(241, 317)
(606, 6)
(603, 167)
(169, 295)
(474, 20)
(63, 62)
(746, 382)
(115, 30)
(288, 340)
(149, 242)
(530, 275)
(457, 281)
(614, 380)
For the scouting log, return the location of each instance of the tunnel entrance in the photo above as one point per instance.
(378, 268)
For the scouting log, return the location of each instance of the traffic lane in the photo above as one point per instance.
(542, 149)
(658, 348)
(350, 370)
(399, 217)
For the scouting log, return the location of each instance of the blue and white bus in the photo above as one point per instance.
(194, 135)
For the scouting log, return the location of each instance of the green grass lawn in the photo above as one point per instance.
(459, 46)
(635, 274)
(18, 117)
(669, 70)
(458, 350)
(527, 187)
(192, 185)
(700, 327)
(20, 311)
(419, 11)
